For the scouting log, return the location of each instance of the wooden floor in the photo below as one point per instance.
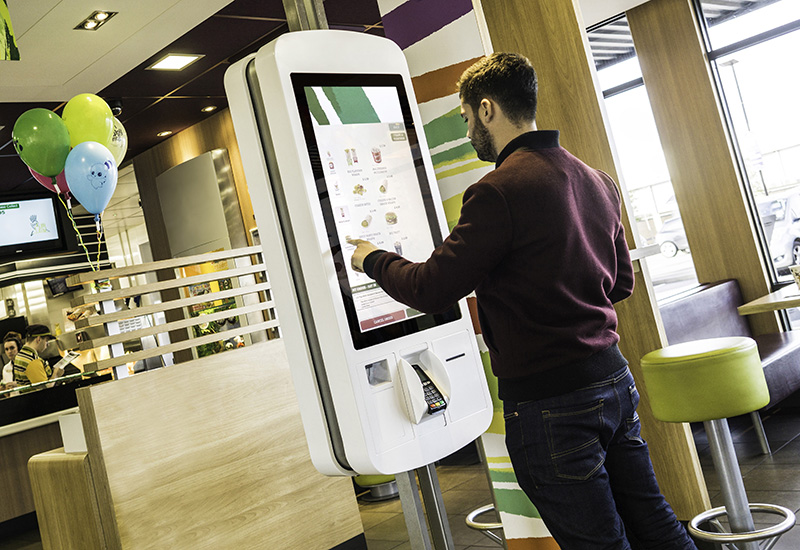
(774, 479)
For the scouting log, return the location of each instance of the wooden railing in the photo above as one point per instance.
(248, 300)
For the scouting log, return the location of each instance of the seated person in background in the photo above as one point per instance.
(29, 368)
(12, 343)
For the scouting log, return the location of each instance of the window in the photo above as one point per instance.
(642, 165)
(754, 48)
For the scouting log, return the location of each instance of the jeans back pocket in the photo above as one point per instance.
(573, 438)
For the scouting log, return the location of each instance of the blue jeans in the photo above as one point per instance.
(582, 462)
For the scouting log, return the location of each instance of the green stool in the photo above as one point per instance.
(709, 381)
(381, 487)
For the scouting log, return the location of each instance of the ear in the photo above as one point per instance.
(108, 164)
(487, 110)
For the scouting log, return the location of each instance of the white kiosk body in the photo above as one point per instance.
(332, 146)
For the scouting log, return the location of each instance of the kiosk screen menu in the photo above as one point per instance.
(372, 185)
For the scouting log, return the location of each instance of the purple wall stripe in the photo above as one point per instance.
(412, 21)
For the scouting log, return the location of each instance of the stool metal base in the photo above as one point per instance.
(384, 491)
(485, 528)
(772, 532)
(737, 508)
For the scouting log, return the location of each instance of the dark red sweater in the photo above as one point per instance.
(541, 242)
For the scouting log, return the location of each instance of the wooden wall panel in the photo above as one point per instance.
(551, 35)
(214, 133)
(66, 506)
(15, 484)
(211, 454)
(698, 152)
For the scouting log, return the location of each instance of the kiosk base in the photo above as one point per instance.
(434, 504)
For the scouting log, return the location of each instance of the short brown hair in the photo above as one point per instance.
(507, 78)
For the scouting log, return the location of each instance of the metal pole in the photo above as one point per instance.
(412, 511)
(434, 506)
(730, 480)
(305, 15)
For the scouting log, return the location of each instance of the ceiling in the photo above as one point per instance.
(58, 62)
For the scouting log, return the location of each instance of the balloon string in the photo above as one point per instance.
(80, 238)
(99, 238)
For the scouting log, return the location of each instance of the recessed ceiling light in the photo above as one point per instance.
(174, 62)
(209, 109)
(95, 21)
(164, 133)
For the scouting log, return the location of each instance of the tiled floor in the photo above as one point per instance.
(773, 479)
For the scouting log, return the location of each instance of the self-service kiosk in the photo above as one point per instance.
(333, 148)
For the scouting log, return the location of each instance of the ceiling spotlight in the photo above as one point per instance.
(209, 109)
(174, 62)
(95, 21)
(165, 133)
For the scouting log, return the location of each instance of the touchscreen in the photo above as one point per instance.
(372, 185)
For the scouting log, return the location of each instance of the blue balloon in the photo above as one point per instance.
(91, 173)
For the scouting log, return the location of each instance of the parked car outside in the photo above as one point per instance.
(672, 237)
(784, 239)
(780, 218)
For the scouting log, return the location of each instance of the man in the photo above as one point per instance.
(540, 240)
(29, 368)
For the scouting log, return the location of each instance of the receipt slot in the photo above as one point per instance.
(333, 148)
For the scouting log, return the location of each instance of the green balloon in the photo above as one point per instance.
(42, 141)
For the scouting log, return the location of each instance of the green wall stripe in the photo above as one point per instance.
(351, 104)
(455, 154)
(448, 127)
(315, 108)
(502, 476)
(474, 165)
(515, 502)
(452, 209)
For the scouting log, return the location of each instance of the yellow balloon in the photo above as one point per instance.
(119, 142)
(88, 118)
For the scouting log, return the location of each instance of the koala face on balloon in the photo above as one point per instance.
(98, 174)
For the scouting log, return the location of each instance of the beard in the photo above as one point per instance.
(482, 143)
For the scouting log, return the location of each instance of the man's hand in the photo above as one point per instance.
(363, 249)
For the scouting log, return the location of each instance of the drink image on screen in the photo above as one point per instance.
(398, 247)
(376, 155)
(349, 157)
(355, 157)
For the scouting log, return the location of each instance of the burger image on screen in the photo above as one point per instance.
(391, 218)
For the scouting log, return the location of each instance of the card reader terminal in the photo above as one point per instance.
(433, 397)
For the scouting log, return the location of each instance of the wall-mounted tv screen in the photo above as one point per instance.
(31, 225)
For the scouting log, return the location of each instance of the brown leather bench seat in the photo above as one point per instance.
(709, 311)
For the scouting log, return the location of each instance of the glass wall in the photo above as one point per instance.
(642, 165)
(754, 48)
(754, 51)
